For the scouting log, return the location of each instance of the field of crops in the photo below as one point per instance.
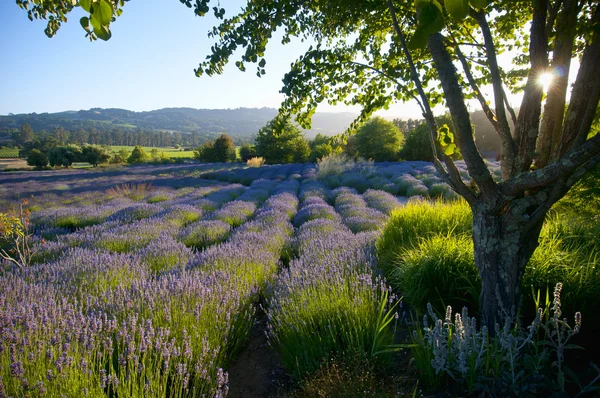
(9, 153)
(169, 152)
(146, 282)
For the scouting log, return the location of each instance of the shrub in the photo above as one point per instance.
(456, 356)
(417, 145)
(417, 220)
(439, 270)
(94, 154)
(138, 155)
(379, 139)
(255, 162)
(224, 149)
(205, 233)
(206, 152)
(247, 152)
(37, 159)
(280, 141)
(64, 155)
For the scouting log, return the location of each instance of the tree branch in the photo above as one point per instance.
(503, 129)
(484, 105)
(527, 128)
(551, 128)
(460, 116)
(513, 116)
(584, 96)
(562, 168)
(451, 175)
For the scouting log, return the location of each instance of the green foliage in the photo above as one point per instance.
(423, 244)
(247, 152)
(439, 270)
(224, 149)
(205, 152)
(456, 355)
(94, 154)
(379, 140)
(417, 220)
(138, 155)
(64, 155)
(417, 145)
(37, 159)
(96, 24)
(119, 157)
(280, 141)
(319, 152)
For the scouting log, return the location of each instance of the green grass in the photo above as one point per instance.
(169, 152)
(427, 252)
(420, 219)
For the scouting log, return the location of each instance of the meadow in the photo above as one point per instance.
(148, 281)
(170, 152)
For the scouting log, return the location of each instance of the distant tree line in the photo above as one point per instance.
(116, 137)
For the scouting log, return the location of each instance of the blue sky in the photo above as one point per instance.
(147, 64)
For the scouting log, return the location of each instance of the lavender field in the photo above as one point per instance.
(146, 281)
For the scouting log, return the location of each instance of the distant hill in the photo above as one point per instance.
(243, 123)
(237, 122)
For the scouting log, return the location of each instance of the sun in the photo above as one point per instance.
(545, 80)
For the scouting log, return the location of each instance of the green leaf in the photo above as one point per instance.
(102, 12)
(449, 149)
(103, 33)
(479, 3)
(85, 4)
(262, 63)
(419, 40)
(85, 23)
(458, 9)
(431, 17)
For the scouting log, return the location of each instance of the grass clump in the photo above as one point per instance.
(420, 219)
(439, 270)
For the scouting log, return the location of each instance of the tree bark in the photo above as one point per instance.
(503, 244)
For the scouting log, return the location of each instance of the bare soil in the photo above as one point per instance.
(257, 372)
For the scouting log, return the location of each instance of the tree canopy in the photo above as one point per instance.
(280, 141)
(379, 139)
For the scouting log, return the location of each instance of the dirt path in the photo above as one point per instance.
(257, 372)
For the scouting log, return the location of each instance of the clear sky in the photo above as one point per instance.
(147, 64)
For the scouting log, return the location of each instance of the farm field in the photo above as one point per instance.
(169, 152)
(9, 153)
(149, 281)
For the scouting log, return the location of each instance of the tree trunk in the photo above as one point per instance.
(503, 243)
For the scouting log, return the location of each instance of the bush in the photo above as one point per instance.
(408, 224)
(455, 355)
(319, 152)
(37, 159)
(280, 141)
(138, 155)
(255, 162)
(64, 155)
(379, 139)
(206, 153)
(439, 270)
(247, 152)
(224, 149)
(417, 145)
(94, 154)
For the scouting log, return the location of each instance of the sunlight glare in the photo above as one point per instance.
(545, 80)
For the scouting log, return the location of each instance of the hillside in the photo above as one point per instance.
(236, 122)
